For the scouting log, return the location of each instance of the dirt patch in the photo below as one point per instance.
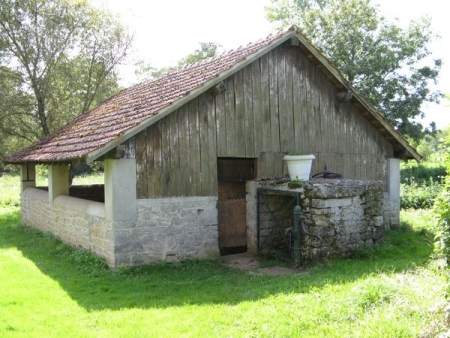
(251, 263)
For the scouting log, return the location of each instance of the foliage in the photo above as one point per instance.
(145, 71)
(58, 59)
(389, 65)
(430, 146)
(442, 208)
(50, 290)
(416, 195)
(422, 174)
(9, 191)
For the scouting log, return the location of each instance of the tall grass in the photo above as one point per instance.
(9, 191)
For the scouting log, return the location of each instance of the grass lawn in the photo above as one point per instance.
(48, 289)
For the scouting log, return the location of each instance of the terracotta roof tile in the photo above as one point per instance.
(132, 106)
(107, 122)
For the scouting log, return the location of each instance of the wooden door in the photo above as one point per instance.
(232, 217)
(232, 207)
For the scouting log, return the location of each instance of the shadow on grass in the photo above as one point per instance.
(93, 286)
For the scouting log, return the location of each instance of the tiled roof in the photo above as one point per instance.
(131, 106)
(125, 114)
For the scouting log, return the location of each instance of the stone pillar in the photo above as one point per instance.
(252, 216)
(394, 178)
(27, 176)
(392, 205)
(120, 190)
(121, 207)
(58, 181)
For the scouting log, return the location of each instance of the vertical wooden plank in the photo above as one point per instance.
(315, 93)
(240, 112)
(156, 174)
(258, 140)
(309, 109)
(279, 169)
(261, 166)
(289, 104)
(183, 122)
(174, 184)
(273, 97)
(204, 148)
(324, 102)
(194, 148)
(248, 113)
(337, 126)
(141, 165)
(298, 100)
(265, 104)
(150, 164)
(212, 148)
(221, 127)
(165, 156)
(230, 118)
(283, 99)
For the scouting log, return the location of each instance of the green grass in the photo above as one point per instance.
(48, 289)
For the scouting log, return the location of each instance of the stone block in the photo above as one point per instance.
(330, 203)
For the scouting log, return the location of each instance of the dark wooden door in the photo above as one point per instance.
(232, 174)
(232, 217)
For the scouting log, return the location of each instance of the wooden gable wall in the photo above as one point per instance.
(282, 102)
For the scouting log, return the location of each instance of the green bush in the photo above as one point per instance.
(442, 210)
(422, 173)
(416, 195)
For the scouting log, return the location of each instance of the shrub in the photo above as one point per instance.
(416, 195)
(442, 210)
(422, 174)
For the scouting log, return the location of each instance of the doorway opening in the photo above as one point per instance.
(232, 206)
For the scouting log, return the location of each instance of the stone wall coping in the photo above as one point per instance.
(35, 193)
(78, 204)
(178, 199)
(326, 188)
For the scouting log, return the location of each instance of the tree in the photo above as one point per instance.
(389, 65)
(207, 49)
(58, 59)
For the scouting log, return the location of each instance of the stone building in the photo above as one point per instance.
(182, 153)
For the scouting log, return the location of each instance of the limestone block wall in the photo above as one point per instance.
(78, 222)
(169, 229)
(346, 214)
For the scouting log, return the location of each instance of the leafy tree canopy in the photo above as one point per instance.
(206, 50)
(58, 59)
(389, 65)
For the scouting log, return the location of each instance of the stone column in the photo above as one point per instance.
(27, 176)
(394, 178)
(252, 216)
(120, 189)
(58, 181)
(121, 207)
(392, 206)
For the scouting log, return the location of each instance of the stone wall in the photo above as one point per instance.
(78, 222)
(346, 214)
(169, 229)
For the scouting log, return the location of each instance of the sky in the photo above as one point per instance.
(165, 31)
